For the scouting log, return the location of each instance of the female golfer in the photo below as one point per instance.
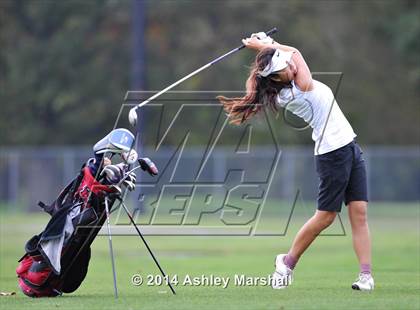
(280, 77)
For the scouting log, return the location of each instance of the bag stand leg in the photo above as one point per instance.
(111, 251)
(147, 246)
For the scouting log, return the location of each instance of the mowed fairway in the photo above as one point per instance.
(322, 278)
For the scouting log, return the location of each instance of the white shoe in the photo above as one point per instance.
(282, 276)
(364, 283)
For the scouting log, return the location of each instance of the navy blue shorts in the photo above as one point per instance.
(342, 175)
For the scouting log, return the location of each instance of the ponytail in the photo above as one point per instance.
(260, 92)
(240, 109)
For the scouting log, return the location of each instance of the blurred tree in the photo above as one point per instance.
(64, 70)
(65, 66)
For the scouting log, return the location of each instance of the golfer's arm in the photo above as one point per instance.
(260, 46)
(256, 44)
(284, 48)
(303, 77)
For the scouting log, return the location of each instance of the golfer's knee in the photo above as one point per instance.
(358, 213)
(326, 218)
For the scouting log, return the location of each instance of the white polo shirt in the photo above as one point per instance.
(320, 110)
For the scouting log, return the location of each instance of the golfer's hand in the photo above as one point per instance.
(252, 43)
(257, 41)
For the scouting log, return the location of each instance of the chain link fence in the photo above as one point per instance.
(29, 175)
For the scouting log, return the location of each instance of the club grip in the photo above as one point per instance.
(270, 32)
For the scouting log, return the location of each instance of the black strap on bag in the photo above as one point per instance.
(66, 194)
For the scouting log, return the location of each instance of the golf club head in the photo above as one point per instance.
(147, 165)
(116, 142)
(130, 157)
(132, 117)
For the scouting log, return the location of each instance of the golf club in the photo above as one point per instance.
(147, 246)
(132, 115)
(111, 251)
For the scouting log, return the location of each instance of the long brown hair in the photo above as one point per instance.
(260, 91)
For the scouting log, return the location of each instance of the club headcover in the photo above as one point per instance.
(117, 141)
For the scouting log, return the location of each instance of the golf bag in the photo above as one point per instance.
(57, 259)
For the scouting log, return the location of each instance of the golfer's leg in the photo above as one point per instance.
(282, 276)
(361, 236)
(356, 198)
(333, 170)
(310, 230)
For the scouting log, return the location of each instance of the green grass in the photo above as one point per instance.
(322, 278)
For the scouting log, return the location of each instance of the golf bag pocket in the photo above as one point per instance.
(34, 291)
(32, 254)
(34, 274)
(38, 272)
(24, 265)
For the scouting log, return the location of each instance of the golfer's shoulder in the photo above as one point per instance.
(288, 94)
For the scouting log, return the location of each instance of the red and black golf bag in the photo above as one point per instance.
(37, 271)
(56, 260)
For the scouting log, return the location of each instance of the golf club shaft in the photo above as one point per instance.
(148, 248)
(111, 251)
(198, 71)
